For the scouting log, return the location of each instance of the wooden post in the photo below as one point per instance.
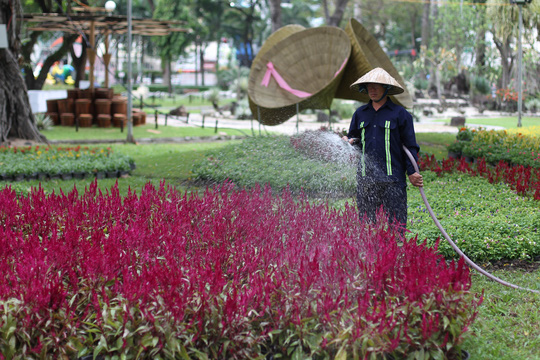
(297, 118)
(92, 53)
(156, 118)
(106, 59)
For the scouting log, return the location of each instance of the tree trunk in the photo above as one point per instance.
(79, 63)
(425, 24)
(506, 60)
(16, 118)
(337, 15)
(275, 14)
(201, 55)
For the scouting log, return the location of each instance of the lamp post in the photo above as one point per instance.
(520, 4)
(130, 138)
(109, 7)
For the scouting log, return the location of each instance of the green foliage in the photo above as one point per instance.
(228, 78)
(487, 221)
(344, 108)
(508, 323)
(532, 104)
(272, 160)
(501, 145)
(51, 160)
(481, 85)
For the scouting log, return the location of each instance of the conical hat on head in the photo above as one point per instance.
(378, 76)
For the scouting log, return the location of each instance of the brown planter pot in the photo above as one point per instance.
(66, 106)
(119, 106)
(104, 93)
(119, 120)
(136, 118)
(143, 118)
(52, 105)
(67, 119)
(85, 120)
(82, 106)
(73, 93)
(102, 106)
(54, 117)
(86, 94)
(104, 120)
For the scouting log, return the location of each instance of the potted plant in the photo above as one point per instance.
(455, 149)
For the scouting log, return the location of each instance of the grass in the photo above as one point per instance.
(508, 325)
(508, 122)
(435, 143)
(144, 131)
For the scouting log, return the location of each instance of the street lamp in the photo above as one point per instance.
(110, 6)
(520, 4)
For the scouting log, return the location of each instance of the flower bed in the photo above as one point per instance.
(228, 274)
(494, 146)
(46, 162)
(525, 180)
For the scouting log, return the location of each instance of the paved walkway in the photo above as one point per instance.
(291, 126)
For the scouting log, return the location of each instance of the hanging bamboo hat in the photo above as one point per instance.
(378, 76)
(367, 54)
(302, 71)
(273, 39)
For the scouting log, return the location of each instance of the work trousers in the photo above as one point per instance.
(392, 197)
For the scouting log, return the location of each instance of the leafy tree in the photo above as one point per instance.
(505, 29)
(242, 22)
(16, 118)
(173, 45)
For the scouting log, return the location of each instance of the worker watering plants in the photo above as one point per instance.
(380, 129)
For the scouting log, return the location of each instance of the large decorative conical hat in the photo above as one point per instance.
(310, 62)
(273, 39)
(378, 76)
(367, 54)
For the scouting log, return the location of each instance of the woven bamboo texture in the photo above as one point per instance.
(367, 54)
(308, 60)
(272, 40)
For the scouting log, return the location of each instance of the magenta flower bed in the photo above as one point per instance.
(227, 275)
(525, 180)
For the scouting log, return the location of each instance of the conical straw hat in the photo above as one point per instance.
(273, 39)
(367, 54)
(311, 61)
(378, 76)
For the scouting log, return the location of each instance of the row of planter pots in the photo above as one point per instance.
(64, 176)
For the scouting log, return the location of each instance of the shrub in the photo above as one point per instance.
(481, 84)
(60, 160)
(229, 274)
(275, 161)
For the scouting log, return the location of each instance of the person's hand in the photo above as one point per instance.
(350, 141)
(416, 179)
(345, 138)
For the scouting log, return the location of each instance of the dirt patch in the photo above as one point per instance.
(13, 142)
(528, 266)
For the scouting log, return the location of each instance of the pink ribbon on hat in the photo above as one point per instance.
(341, 67)
(271, 71)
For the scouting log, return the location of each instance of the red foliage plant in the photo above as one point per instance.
(231, 273)
(525, 180)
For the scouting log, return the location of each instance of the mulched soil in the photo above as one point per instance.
(522, 265)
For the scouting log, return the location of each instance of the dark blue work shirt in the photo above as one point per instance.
(381, 135)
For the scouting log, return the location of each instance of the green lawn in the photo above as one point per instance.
(145, 131)
(508, 122)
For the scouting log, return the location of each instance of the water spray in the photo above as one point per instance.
(454, 246)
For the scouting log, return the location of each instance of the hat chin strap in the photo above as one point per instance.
(384, 95)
